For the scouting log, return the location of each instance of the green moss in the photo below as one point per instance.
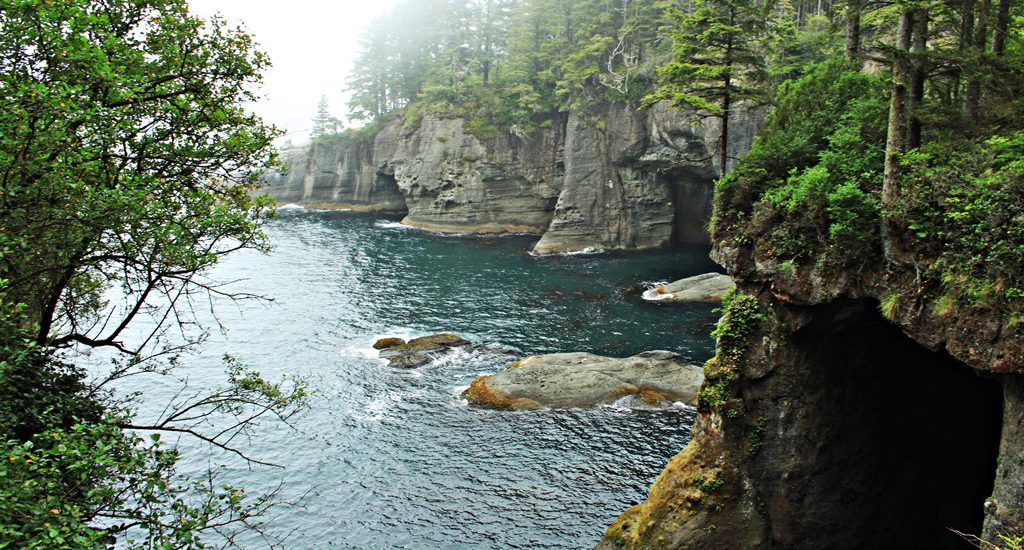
(755, 433)
(708, 485)
(413, 116)
(787, 268)
(946, 304)
(470, 158)
(482, 128)
(741, 317)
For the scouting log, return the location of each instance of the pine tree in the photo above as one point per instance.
(324, 123)
(371, 81)
(718, 61)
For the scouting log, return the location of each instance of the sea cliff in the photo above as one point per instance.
(615, 179)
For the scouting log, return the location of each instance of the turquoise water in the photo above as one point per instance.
(394, 459)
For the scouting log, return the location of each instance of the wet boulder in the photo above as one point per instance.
(709, 287)
(385, 343)
(566, 380)
(418, 351)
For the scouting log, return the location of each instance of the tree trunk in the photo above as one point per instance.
(853, 11)
(918, 52)
(723, 144)
(966, 37)
(896, 140)
(1001, 26)
(723, 141)
(972, 105)
(488, 40)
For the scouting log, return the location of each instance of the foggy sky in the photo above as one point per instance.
(311, 44)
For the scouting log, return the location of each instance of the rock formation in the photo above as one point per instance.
(825, 424)
(335, 176)
(418, 351)
(563, 380)
(614, 180)
(709, 287)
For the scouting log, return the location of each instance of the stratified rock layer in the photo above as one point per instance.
(617, 179)
(641, 181)
(563, 380)
(335, 176)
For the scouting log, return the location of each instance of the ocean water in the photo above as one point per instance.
(385, 458)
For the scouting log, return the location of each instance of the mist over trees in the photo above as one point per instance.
(510, 60)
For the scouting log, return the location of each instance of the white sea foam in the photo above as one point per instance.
(636, 403)
(588, 251)
(291, 206)
(364, 348)
(388, 224)
(623, 403)
(652, 295)
(377, 409)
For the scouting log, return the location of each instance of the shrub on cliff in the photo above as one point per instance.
(809, 192)
(962, 210)
(809, 186)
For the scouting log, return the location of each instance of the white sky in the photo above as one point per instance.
(311, 44)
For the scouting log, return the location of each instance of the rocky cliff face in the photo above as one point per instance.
(824, 424)
(620, 179)
(335, 177)
(643, 181)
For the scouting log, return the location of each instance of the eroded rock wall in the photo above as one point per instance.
(618, 179)
(455, 182)
(824, 424)
(335, 176)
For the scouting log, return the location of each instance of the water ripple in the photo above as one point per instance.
(394, 458)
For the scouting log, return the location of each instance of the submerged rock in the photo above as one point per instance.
(564, 380)
(709, 287)
(418, 351)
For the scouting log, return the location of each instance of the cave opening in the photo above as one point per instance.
(905, 449)
(692, 197)
(386, 186)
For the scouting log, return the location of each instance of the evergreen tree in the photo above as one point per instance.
(371, 79)
(324, 123)
(718, 61)
(613, 38)
(494, 18)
